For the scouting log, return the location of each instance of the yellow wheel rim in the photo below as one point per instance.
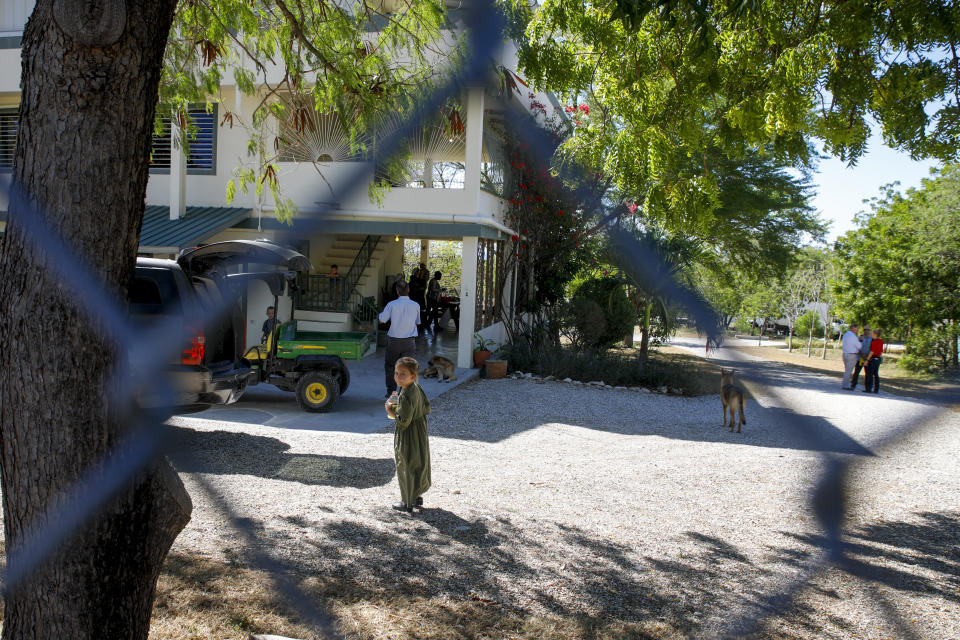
(316, 392)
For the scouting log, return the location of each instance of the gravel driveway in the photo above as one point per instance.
(554, 499)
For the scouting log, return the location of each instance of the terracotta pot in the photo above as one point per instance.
(479, 357)
(496, 369)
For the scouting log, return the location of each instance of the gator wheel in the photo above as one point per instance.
(344, 378)
(317, 392)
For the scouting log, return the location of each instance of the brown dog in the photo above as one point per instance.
(732, 397)
(441, 368)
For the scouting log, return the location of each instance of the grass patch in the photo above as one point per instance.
(198, 597)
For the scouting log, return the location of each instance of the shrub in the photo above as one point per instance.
(928, 349)
(599, 314)
(742, 325)
(802, 327)
(614, 367)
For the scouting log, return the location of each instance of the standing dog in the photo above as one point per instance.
(732, 397)
(442, 368)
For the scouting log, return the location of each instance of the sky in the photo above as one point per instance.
(840, 190)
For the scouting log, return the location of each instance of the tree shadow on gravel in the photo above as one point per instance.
(695, 419)
(888, 553)
(444, 570)
(230, 452)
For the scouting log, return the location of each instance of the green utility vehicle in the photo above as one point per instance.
(308, 363)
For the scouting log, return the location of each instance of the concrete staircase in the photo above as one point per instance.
(342, 253)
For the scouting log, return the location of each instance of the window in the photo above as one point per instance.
(9, 123)
(202, 145)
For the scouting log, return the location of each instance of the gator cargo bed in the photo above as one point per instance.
(349, 345)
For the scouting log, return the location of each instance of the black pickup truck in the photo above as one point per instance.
(209, 368)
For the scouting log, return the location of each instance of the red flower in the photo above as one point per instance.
(576, 122)
(568, 109)
(515, 238)
(585, 109)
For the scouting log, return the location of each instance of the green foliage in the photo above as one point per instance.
(695, 108)
(764, 300)
(600, 314)
(723, 291)
(806, 322)
(445, 256)
(901, 267)
(614, 367)
(929, 349)
(484, 344)
(743, 325)
(326, 54)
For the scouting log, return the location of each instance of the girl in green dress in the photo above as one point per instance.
(410, 444)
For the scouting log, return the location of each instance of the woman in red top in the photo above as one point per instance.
(872, 383)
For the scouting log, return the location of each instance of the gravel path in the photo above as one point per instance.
(557, 499)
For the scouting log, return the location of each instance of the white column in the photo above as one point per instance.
(468, 302)
(474, 145)
(178, 174)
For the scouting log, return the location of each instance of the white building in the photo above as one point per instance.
(186, 204)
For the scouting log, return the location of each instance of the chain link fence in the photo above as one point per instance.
(148, 436)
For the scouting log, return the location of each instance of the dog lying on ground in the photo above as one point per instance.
(441, 368)
(732, 397)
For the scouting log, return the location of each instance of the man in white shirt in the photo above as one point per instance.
(850, 345)
(403, 314)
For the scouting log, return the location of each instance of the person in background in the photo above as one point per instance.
(269, 324)
(411, 446)
(403, 314)
(874, 358)
(433, 301)
(864, 352)
(418, 285)
(850, 346)
(336, 293)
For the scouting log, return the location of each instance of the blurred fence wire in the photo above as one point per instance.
(148, 435)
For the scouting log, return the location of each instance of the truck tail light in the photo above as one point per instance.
(195, 352)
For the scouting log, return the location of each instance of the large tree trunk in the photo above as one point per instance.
(645, 335)
(90, 76)
(955, 344)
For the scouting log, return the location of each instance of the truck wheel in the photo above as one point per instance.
(317, 392)
(344, 378)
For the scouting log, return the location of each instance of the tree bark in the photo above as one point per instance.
(91, 70)
(955, 344)
(645, 335)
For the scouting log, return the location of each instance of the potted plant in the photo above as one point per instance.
(481, 349)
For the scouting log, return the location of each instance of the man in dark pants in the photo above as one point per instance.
(403, 314)
(864, 355)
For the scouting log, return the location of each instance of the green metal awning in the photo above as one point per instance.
(160, 234)
(405, 228)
